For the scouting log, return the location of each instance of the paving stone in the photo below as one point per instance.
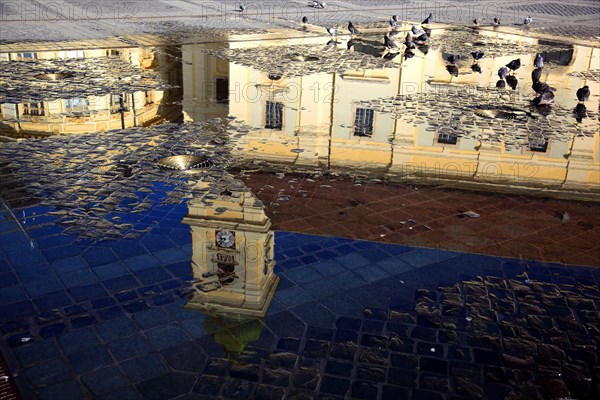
(165, 386)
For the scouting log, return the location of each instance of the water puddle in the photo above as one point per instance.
(336, 103)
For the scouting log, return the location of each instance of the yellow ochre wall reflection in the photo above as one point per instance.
(317, 121)
(90, 113)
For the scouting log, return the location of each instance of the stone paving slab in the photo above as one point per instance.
(510, 225)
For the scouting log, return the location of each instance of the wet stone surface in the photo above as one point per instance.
(476, 112)
(302, 60)
(102, 186)
(87, 77)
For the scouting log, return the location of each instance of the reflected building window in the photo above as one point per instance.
(77, 105)
(538, 145)
(222, 90)
(27, 56)
(115, 104)
(34, 108)
(274, 115)
(363, 122)
(447, 138)
(148, 96)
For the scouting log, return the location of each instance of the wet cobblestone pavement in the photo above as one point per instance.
(383, 290)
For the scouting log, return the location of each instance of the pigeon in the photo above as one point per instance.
(502, 72)
(583, 94)
(453, 58)
(331, 31)
(332, 42)
(541, 87)
(514, 64)
(317, 4)
(477, 55)
(421, 39)
(476, 68)
(544, 99)
(512, 81)
(304, 20)
(496, 21)
(452, 69)
(475, 21)
(389, 43)
(500, 84)
(395, 18)
(393, 22)
(536, 74)
(527, 20)
(415, 30)
(538, 62)
(242, 7)
(428, 19)
(352, 29)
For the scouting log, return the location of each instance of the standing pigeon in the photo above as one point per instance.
(415, 30)
(536, 75)
(393, 22)
(476, 68)
(304, 20)
(453, 58)
(476, 22)
(514, 64)
(502, 72)
(527, 20)
(539, 61)
(352, 29)
(389, 43)
(477, 55)
(331, 31)
(496, 21)
(583, 94)
(242, 7)
(428, 19)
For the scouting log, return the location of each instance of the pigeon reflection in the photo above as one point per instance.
(512, 81)
(580, 112)
(452, 69)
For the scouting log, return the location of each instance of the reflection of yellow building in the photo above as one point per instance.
(233, 253)
(85, 114)
(317, 121)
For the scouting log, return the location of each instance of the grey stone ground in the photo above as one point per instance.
(30, 20)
